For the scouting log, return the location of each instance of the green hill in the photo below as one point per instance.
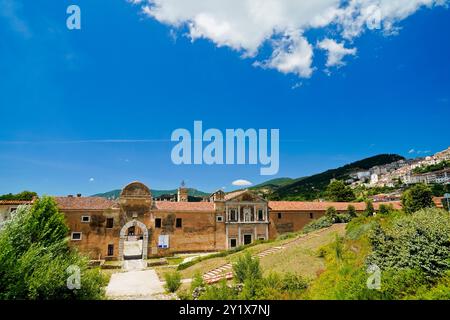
(312, 187)
(114, 194)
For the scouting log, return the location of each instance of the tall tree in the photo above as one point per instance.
(35, 257)
(417, 197)
(338, 191)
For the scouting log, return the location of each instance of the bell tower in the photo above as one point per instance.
(182, 193)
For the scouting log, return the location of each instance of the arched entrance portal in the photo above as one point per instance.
(124, 233)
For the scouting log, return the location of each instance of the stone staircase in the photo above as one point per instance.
(217, 274)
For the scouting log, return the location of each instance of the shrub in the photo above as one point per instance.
(173, 281)
(197, 281)
(34, 257)
(417, 197)
(385, 209)
(343, 218)
(247, 268)
(420, 241)
(370, 210)
(351, 211)
(323, 222)
(331, 213)
(220, 291)
(293, 283)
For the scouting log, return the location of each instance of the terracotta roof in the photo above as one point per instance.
(322, 206)
(84, 203)
(234, 194)
(185, 206)
(15, 202)
(438, 202)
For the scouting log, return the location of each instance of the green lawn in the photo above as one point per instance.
(299, 256)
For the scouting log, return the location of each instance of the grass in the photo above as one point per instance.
(300, 257)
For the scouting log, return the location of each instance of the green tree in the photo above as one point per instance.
(420, 241)
(331, 213)
(247, 268)
(35, 257)
(24, 195)
(385, 209)
(338, 191)
(351, 211)
(370, 210)
(416, 198)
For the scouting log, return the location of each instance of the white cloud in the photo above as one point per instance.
(246, 25)
(91, 180)
(411, 151)
(335, 52)
(241, 183)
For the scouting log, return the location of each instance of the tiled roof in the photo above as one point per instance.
(185, 206)
(15, 202)
(234, 194)
(322, 206)
(438, 202)
(84, 203)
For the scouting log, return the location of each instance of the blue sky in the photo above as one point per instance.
(102, 102)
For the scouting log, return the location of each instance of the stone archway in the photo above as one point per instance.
(123, 231)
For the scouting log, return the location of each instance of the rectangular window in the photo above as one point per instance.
(179, 223)
(109, 223)
(233, 243)
(233, 215)
(76, 236)
(11, 210)
(311, 215)
(261, 238)
(110, 249)
(260, 215)
(279, 215)
(158, 223)
(219, 219)
(85, 219)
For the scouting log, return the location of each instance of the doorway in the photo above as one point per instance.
(248, 238)
(133, 241)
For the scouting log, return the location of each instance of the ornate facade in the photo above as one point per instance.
(105, 228)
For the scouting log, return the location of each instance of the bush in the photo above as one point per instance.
(385, 209)
(343, 218)
(331, 213)
(197, 281)
(293, 283)
(323, 222)
(220, 291)
(370, 210)
(34, 257)
(247, 268)
(351, 211)
(417, 197)
(420, 241)
(173, 281)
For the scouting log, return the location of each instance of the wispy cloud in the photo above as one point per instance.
(10, 11)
